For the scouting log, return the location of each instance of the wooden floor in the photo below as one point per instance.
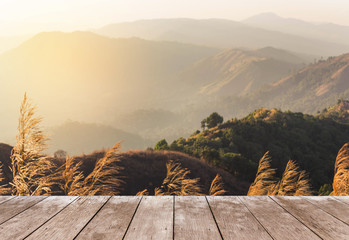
(229, 217)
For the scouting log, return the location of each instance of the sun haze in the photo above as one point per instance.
(18, 17)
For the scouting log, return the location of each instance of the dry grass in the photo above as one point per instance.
(177, 182)
(143, 193)
(265, 178)
(217, 186)
(341, 172)
(72, 176)
(294, 182)
(103, 180)
(30, 168)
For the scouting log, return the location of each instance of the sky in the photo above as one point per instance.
(19, 17)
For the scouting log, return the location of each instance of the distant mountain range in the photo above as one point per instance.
(76, 138)
(231, 34)
(328, 32)
(164, 86)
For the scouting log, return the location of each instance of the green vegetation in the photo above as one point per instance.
(236, 145)
(212, 121)
(161, 145)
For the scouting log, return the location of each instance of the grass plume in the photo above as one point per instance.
(177, 182)
(103, 180)
(341, 172)
(294, 182)
(30, 168)
(217, 186)
(265, 177)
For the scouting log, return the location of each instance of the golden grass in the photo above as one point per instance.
(177, 182)
(265, 178)
(30, 168)
(341, 172)
(143, 193)
(103, 180)
(217, 186)
(293, 182)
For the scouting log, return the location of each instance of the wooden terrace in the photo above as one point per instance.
(195, 217)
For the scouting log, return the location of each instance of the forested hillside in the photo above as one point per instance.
(237, 145)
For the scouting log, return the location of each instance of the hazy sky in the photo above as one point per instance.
(31, 16)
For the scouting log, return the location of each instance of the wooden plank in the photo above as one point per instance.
(153, 219)
(5, 198)
(322, 223)
(69, 222)
(26, 222)
(332, 206)
(344, 199)
(278, 222)
(193, 219)
(112, 220)
(17, 205)
(234, 220)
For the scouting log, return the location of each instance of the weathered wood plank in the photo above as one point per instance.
(26, 222)
(332, 206)
(5, 198)
(234, 220)
(69, 222)
(344, 199)
(153, 219)
(278, 222)
(112, 220)
(17, 205)
(322, 223)
(193, 219)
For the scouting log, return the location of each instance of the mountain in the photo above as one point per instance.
(327, 31)
(87, 77)
(221, 33)
(10, 42)
(237, 71)
(77, 138)
(238, 144)
(310, 89)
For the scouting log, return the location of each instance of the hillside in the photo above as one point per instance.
(77, 138)
(238, 144)
(5, 161)
(221, 33)
(147, 169)
(237, 71)
(311, 89)
(106, 76)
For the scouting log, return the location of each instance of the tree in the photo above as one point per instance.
(213, 120)
(203, 124)
(60, 154)
(161, 145)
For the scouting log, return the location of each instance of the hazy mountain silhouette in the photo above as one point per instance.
(76, 138)
(326, 31)
(221, 33)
